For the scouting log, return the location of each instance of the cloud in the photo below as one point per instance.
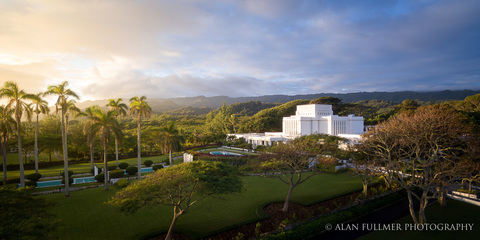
(108, 49)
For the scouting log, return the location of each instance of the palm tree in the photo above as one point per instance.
(73, 110)
(120, 109)
(171, 140)
(62, 103)
(16, 99)
(105, 123)
(89, 131)
(7, 127)
(39, 106)
(139, 108)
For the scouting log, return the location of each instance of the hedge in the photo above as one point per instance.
(70, 180)
(148, 163)
(111, 168)
(11, 180)
(31, 183)
(315, 227)
(123, 165)
(70, 173)
(122, 183)
(116, 173)
(157, 167)
(131, 170)
(34, 176)
(100, 177)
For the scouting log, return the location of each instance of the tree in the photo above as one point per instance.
(63, 104)
(234, 121)
(120, 109)
(294, 163)
(179, 186)
(50, 130)
(25, 216)
(423, 151)
(105, 123)
(71, 109)
(7, 127)
(17, 100)
(171, 140)
(139, 108)
(89, 131)
(39, 106)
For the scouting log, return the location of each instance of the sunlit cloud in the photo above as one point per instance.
(164, 49)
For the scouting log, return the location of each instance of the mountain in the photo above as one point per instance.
(201, 103)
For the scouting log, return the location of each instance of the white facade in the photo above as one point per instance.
(309, 119)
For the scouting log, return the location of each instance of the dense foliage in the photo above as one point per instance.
(25, 216)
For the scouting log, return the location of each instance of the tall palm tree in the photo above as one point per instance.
(62, 104)
(71, 110)
(120, 109)
(39, 106)
(17, 99)
(171, 140)
(7, 127)
(105, 123)
(139, 108)
(89, 131)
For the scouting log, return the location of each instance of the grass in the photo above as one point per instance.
(455, 212)
(85, 216)
(83, 167)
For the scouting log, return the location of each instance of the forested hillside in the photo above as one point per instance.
(160, 105)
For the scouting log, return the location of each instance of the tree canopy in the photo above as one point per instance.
(180, 186)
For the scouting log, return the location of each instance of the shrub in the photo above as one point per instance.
(123, 165)
(70, 180)
(148, 163)
(100, 177)
(157, 167)
(70, 173)
(111, 168)
(12, 180)
(131, 170)
(116, 173)
(34, 176)
(31, 184)
(122, 183)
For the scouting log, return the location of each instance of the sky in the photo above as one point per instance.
(185, 48)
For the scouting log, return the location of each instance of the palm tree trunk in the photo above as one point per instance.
(116, 149)
(4, 154)
(91, 154)
(65, 154)
(170, 157)
(36, 146)
(139, 149)
(20, 157)
(105, 165)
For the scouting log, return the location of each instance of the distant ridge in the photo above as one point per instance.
(160, 105)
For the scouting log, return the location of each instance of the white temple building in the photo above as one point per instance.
(309, 119)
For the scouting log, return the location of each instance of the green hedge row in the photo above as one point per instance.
(315, 227)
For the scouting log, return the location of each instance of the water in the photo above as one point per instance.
(225, 153)
(49, 183)
(147, 169)
(83, 180)
(54, 183)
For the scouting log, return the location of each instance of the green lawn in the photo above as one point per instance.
(84, 216)
(83, 167)
(455, 212)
